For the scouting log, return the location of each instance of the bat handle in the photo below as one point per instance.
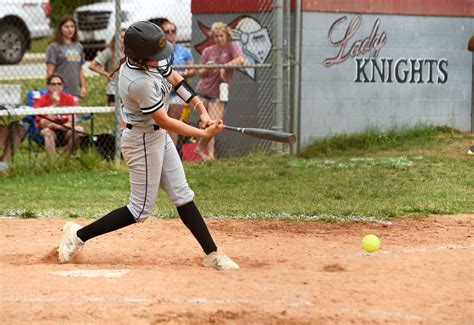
(233, 128)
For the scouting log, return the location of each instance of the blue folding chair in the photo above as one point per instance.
(33, 94)
(32, 133)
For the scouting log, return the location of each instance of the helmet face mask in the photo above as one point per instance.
(164, 66)
(145, 41)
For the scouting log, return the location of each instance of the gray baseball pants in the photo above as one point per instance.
(153, 161)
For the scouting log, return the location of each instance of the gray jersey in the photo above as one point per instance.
(143, 92)
(150, 154)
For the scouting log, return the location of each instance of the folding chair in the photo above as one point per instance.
(32, 133)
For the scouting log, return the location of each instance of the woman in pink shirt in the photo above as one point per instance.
(224, 51)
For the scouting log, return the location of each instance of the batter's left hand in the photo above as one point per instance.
(214, 127)
(216, 123)
(204, 120)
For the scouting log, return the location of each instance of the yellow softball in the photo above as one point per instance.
(371, 243)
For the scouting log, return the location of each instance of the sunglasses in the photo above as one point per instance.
(169, 31)
(56, 83)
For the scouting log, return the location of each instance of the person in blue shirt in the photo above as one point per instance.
(182, 56)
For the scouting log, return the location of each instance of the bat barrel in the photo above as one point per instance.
(264, 134)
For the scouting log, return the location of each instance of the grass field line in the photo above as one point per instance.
(253, 216)
(303, 217)
(444, 247)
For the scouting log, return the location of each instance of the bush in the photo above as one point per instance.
(61, 8)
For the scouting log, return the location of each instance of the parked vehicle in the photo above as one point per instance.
(20, 22)
(96, 22)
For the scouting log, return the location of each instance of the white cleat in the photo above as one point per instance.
(220, 261)
(470, 151)
(70, 243)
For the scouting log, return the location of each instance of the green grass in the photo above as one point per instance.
(413, 172)
(39, 45)
(373, 140)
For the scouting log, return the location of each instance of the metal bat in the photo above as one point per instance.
(264, 134)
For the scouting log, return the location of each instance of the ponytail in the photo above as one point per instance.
(122, 61)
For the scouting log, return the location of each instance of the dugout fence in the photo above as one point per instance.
(263, 93)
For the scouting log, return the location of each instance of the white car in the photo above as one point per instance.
(20, 22)
(96, 22)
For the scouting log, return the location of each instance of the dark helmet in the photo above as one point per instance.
(144, 40)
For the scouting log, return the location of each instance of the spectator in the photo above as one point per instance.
(224, 51)
(65, 56)
(57, 128)
(104, 64)
(182, 56)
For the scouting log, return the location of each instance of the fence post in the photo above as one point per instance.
(470, 48)
(279, 87)
(295, 116)
(287, 69)
(118, 41)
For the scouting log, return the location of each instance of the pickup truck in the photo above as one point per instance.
(20, 22)
(96, 22)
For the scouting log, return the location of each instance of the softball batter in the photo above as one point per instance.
(145, 81)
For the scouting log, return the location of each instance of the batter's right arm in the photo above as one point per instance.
(175, 79)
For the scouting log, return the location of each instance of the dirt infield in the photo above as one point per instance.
(305, 272)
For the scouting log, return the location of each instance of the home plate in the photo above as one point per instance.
(94, 273)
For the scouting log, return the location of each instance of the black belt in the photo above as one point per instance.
(156, 127)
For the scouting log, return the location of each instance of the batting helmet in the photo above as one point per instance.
(144, 40)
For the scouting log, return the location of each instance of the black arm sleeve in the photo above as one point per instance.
(185, 91)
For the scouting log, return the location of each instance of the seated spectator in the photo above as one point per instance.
(57, 128)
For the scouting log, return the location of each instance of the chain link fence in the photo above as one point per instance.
(86, 53)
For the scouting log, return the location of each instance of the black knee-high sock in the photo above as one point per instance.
(114, 220)
(191, 217)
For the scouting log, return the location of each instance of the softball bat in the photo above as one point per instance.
(264, 134)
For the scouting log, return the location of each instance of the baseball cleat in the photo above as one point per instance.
(70, 243)
(470, 151)
(219, 261)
